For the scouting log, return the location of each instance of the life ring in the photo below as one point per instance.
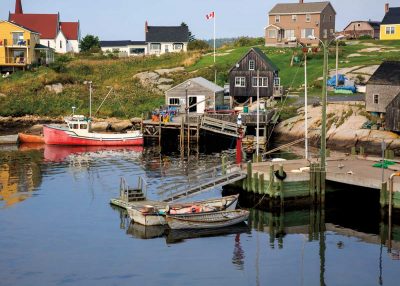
(281, 177)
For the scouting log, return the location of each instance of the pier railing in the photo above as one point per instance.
(201, 182)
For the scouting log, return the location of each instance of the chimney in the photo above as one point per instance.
(146, 27)
(386, 8)
(301, 1)
(18, 7)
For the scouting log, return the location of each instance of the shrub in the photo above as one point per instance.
(198, 45)
(365, 37)
(247, 41)
(60, 64)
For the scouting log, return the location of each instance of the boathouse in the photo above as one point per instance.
(243, 77)
(202, 95)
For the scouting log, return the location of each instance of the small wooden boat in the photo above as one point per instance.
(30, 138)
(9, 139)
(150, 215)
(207, 220)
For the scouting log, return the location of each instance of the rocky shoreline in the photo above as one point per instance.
(344, 129)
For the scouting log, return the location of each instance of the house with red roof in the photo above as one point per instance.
(63, 37)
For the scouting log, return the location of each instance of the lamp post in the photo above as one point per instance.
(325, 45)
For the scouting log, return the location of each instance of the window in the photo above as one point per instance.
(330, 18)
(325, 35)
(376, 98)
(136, 51)
(323, 18)
(390, 30)
(263, 82)
(308, 18)
(289, 34)
(358, 25)
(240, 82)
(18, 39)
(61, 45)
(155, 47)
(277, 81)
(48, 43)
(272, 34)
(178, 47)
(294, 18)
(305, 33)
(332, 31)
(252, 65)
(174, 101)
(277, 19)
(83, 126)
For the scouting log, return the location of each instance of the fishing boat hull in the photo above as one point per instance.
(61, 136)
(30, 138)
(207, 220)
(157, 218)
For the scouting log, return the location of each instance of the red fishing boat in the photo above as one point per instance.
(77, 132)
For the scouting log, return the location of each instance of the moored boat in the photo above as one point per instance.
(150, 216)
(30, 138)
(207, 220)
(78, 133)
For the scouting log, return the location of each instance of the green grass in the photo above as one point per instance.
(26, 94)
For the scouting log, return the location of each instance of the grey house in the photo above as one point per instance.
(383, 87)
(202, 94)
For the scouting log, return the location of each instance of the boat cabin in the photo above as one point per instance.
(78, 122)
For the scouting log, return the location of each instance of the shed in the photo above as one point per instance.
(202, 95)
(392, 119)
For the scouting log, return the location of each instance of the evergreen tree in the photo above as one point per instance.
(191, 36)
(89, 43)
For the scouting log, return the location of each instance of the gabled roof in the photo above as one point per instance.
(204, 83)
(299, 8)
(167, 34)
(20, 26)
(124, 43)
(392, 16)
(45, 24)
(262, 56)
(373, 24)
(70, 30)
(388, 73)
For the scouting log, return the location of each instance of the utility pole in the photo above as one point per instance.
(323, 127)
(258, 116)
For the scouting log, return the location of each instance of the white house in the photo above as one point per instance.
(159, 40)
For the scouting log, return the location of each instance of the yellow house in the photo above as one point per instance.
(20, 47)
(390, 26)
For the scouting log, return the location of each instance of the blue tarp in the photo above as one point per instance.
(332, 80)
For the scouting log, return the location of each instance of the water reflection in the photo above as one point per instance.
(20, 175)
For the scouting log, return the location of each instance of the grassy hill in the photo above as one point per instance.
(26, 93)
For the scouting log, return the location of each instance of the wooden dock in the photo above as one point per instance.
(297, 178)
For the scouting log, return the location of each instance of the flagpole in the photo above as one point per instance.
(215, 69)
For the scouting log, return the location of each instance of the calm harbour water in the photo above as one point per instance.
(57, 228)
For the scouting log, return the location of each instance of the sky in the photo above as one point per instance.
(124, 19)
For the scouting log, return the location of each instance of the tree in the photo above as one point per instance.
(198, 45)
(89, 43)
(191, 36)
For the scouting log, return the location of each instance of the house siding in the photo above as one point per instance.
(194, 89)
(395, 36)
(360, 28)
(316, 22)
(386, 95)
(392, 120)
(243, 71)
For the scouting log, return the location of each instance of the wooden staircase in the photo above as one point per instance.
(221, 126)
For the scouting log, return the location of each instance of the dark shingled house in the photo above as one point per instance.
(243, 76)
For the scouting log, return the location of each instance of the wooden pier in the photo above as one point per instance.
(303, 179)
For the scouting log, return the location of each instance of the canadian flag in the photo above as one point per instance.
(210, 16)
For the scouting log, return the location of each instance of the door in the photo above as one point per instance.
(201, 106)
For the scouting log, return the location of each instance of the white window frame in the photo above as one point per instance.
(304, 35)
(390, 30)
(178, 47)
(152, 45)
(174, 103)
(252, 65)
(375, 98)
(262, 81)
(292, 34)
(240, 81)
(272, 33)
(308, 18)
(277, 18)
(294, 18)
